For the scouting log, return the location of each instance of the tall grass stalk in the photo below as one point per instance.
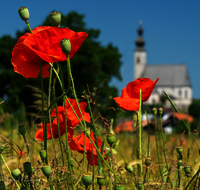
(156, 137)
(174, 106)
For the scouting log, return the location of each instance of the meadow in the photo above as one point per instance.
(66, 147)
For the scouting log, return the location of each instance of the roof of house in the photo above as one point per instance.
(169, 75)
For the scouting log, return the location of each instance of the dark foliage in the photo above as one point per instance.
(92, 65)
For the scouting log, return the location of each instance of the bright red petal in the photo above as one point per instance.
(145, 84)
(130, 104)
(46, 43)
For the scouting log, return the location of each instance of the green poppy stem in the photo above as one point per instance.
(174, 106)
(67, 145)
(44, 126)
(49, 102)
(156, 137)
(57, 117)
(9, 170)
(140, 135)
(163, 139)
(27, 147)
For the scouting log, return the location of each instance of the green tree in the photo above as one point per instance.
(92, 65)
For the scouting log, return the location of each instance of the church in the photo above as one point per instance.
(173, 78)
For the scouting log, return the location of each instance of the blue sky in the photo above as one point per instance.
(171, 28)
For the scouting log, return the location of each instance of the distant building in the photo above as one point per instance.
(173, 78)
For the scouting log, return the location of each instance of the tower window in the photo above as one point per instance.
(180, 93)
(138, 60)
(186, 94)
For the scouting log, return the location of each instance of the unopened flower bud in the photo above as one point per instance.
(129, 168)
(56, 18)
(22, 130)
(2, 147)
(23, 13)
(66, 46)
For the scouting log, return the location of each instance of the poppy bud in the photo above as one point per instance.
(17, 175)
(27, 168)
(66, 46)
(160, 111)
(129, 168)
(2, 185)
(148, 161)
(2, 148)
(119, 187)
(179, 150)
(56, 18)
(43, 155)
(46, 170)
(71, 162)
(87, 179)
(22, 130)
(100, 180)
(187, 169)
(179, 163)
(154, 111)
(24, 13)
(110, 138)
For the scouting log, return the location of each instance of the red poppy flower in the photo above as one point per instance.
(77, 144)
(39, 134)
(72, 120)
(43, 43)
(130, 97)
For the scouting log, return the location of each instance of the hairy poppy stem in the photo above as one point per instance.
(140, 136)
(44, 126)
(174, 106)
(49, 102)
(84, 126)
(9, 170)
(67, 145)
(58, 124)
(156, 137)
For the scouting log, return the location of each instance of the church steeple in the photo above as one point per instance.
(139, 55)
(140, 41)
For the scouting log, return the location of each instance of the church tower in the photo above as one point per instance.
(139, 55)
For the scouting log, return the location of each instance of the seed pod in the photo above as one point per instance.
(2, 147)
(55, 18)
(110, 138)
(187, 169)
(2, 185)
(87, 179)
(65, 46)
(27, 168)
(119, 187)
(22, 130)
(24, 13)
(17, 175)
(43, 155)
(148, 161)
(46, 169)
(179, 150)
(129, 168)
(100, 180)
